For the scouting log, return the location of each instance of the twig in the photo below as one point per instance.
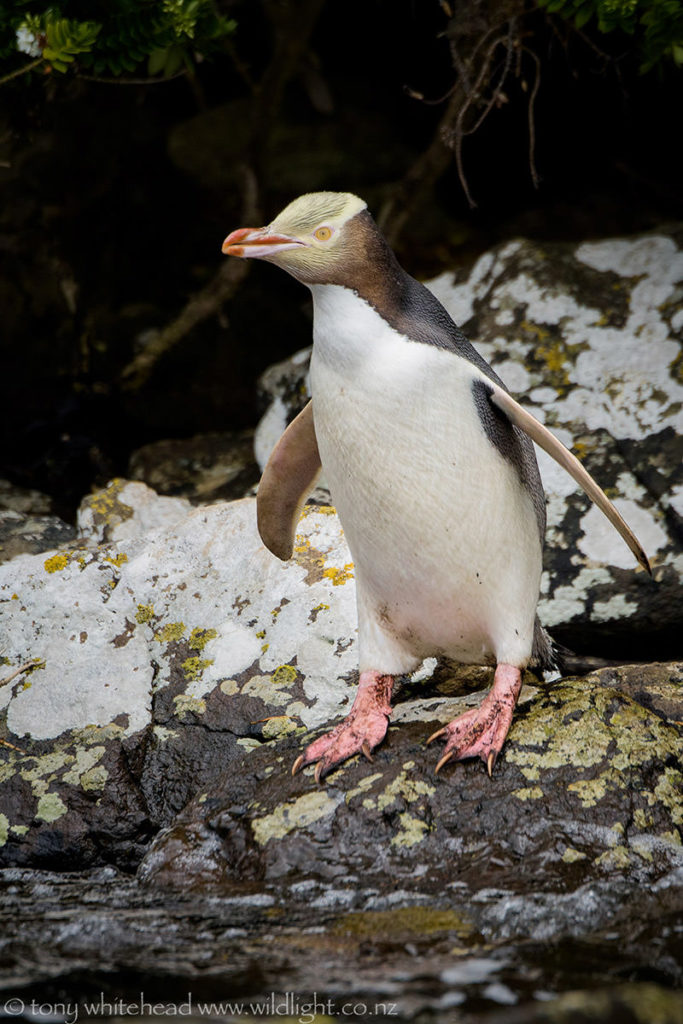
(11, 746)
(22, 668)
(530, 113)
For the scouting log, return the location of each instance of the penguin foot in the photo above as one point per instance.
(482, 731)
(361, 731)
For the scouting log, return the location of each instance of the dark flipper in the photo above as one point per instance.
(288, 479)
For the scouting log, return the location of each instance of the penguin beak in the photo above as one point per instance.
(258, 243)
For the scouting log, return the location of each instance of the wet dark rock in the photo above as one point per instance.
(205, 468)
(589, 788)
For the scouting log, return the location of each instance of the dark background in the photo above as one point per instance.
(115, 199)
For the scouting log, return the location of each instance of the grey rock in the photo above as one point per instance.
(132, 673)
(203, 469)
(588, 788)
(26, 533)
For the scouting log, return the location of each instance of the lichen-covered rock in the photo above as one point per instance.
(589, 787)
(590, 339)
(125, 509)
(168, 654)
(205, 468)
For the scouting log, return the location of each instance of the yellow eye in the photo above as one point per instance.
(323, 234)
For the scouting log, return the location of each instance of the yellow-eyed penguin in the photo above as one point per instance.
(432, 471)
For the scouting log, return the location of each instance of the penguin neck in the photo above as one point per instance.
(370, 269)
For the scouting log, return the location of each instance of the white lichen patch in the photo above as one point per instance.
(616, 607)
(602, 544)
(298, 814)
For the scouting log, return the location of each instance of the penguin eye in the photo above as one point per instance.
(322, 234)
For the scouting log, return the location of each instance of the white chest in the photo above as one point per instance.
(439, 525)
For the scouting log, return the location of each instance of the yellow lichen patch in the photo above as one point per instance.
(194, 666)
(571, 856)
(616, 859)
(95, 779)
(144, 613)
(50, 808)
(323, 510)
(199, 637)
(309, 558)
(261, 634)
(363, 786)
(528, 793)
(170, 632)
(4, 829)
(117, 560)
(668, 791)
(185, 704)
(56, 563)
(339, 576)
(589, 791)
(279, 725)
(229, 686)
(84, 761)
(403, 788)
(642, 819)
(413, 831)
(284, 675)
(297, 814)
(103, 503)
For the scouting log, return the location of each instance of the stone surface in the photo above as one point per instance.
(25, 533)
(205, 468)
(589, 786)
(126, 509)
(148, 665)
(590, 339)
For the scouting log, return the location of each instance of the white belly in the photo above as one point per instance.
(443, 534)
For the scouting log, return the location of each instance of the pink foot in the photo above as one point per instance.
(481, 732)
(361, 731)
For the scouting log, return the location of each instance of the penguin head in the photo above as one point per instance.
(318, 238)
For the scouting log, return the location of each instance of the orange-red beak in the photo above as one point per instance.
(257, 243)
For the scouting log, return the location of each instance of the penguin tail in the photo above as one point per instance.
(547, 655)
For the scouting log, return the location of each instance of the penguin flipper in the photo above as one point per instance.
(288, 479)
(519, 417)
